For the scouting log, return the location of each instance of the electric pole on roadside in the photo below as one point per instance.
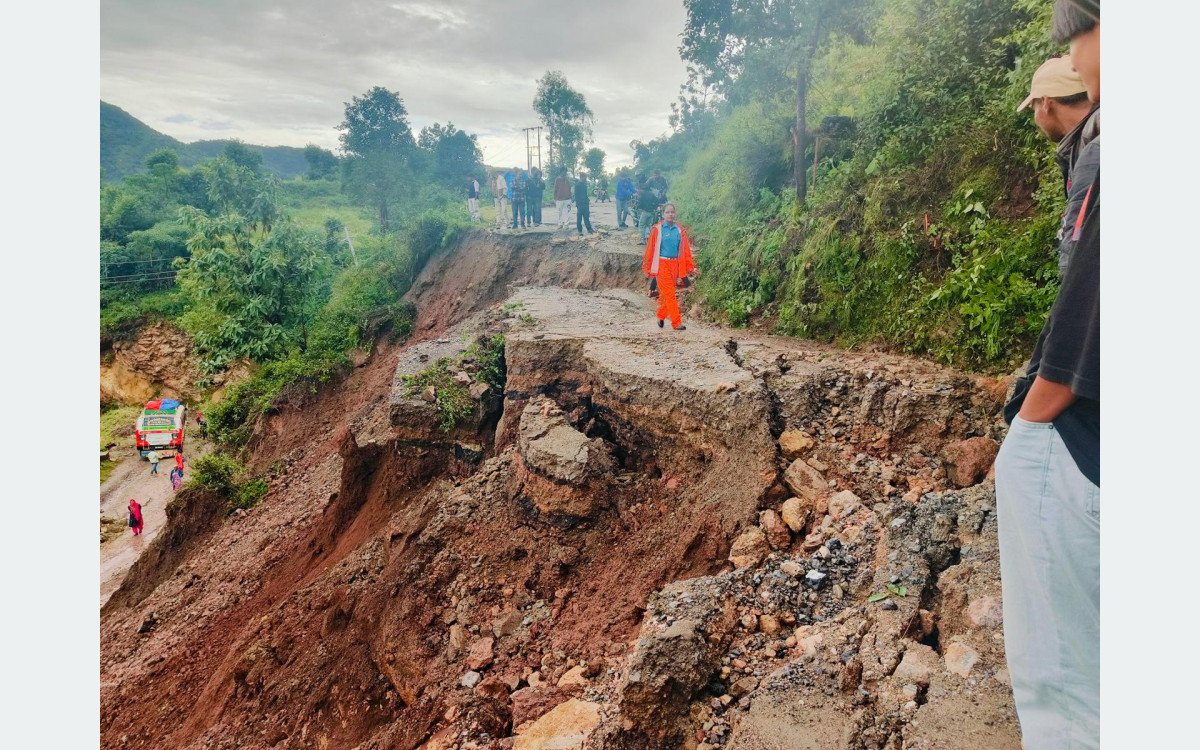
(531, 147)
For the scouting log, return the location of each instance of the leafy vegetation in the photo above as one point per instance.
(928, 207)
(224, 476)
(263, 272)
(452, 400)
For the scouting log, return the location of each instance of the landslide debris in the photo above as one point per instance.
(640, 540)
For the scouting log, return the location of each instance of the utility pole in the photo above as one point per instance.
(531, 147)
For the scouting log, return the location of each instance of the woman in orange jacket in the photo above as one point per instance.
(668, 257)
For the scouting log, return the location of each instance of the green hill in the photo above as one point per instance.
(125, 142)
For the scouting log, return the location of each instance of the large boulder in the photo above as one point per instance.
(967, 461)
(565, 728)
(805, 481)
(750, 548)
(551, 447)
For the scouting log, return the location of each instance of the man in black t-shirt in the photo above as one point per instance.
(1048, 470)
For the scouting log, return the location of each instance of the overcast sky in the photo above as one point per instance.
(280, 73)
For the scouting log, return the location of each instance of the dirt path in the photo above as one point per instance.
(132, 479)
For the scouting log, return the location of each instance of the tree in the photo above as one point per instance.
(566, 115)
(721, 36)
(248, 288)
(243, 156)
(594, 161)
(322, 162)
(378, 143)
(452, 152)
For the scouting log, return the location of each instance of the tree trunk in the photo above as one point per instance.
(383, 215)
(801, 135)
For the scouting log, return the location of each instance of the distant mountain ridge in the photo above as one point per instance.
(126, 141)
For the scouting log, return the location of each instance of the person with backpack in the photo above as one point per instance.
(135, 517)
(668, 258)
(152, 457)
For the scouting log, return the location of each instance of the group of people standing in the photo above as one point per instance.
(513, 190)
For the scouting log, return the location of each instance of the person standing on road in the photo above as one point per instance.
(152, 457)
(518, 190)
(500, 192)
(647, 204)
(562, 196)
(668, 258)
(135, 517)
(583, 211)
(176, 478)
(1048, 469)
(658, 184)
(472, 188)
(179, 460)
(625, 191)
(535, 194)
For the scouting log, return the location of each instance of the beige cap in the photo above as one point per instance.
(1055, 78)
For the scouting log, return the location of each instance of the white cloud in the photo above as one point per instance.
(280, 73)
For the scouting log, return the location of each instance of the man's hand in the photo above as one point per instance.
(1045, 401)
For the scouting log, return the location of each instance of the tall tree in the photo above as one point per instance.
(378, 142)
(566, 115)
(453, 152)
(594, 161)
(721, 36)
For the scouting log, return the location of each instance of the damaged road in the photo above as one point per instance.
(643, 539)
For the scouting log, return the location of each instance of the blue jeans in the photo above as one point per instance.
(622, 211)
(645, 221)
(1049, 527)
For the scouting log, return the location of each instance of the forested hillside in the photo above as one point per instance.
(928, 225)
(126, 143)
(261, 270)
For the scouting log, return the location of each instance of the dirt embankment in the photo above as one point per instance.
(649, 539)
(159, 361)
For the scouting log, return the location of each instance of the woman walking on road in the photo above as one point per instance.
(135, 517)
(176, 478)
(668, 257)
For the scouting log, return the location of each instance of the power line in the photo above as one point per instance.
(151, 260)
(104, 283)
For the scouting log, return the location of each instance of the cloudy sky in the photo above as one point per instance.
(280, 73)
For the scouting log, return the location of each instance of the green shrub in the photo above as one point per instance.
(221, 474)
(453, 401)
(216, 472)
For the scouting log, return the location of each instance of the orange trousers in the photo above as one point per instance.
(668, 305)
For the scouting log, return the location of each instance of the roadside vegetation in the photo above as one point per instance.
(929, 207)
(484, 359)
(287, 276)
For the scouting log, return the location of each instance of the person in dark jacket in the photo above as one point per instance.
(583, 211)
(1048, 469)
(1062, 111)
(519, 189)
(647, 205)
(625, 191)
(535, 194)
